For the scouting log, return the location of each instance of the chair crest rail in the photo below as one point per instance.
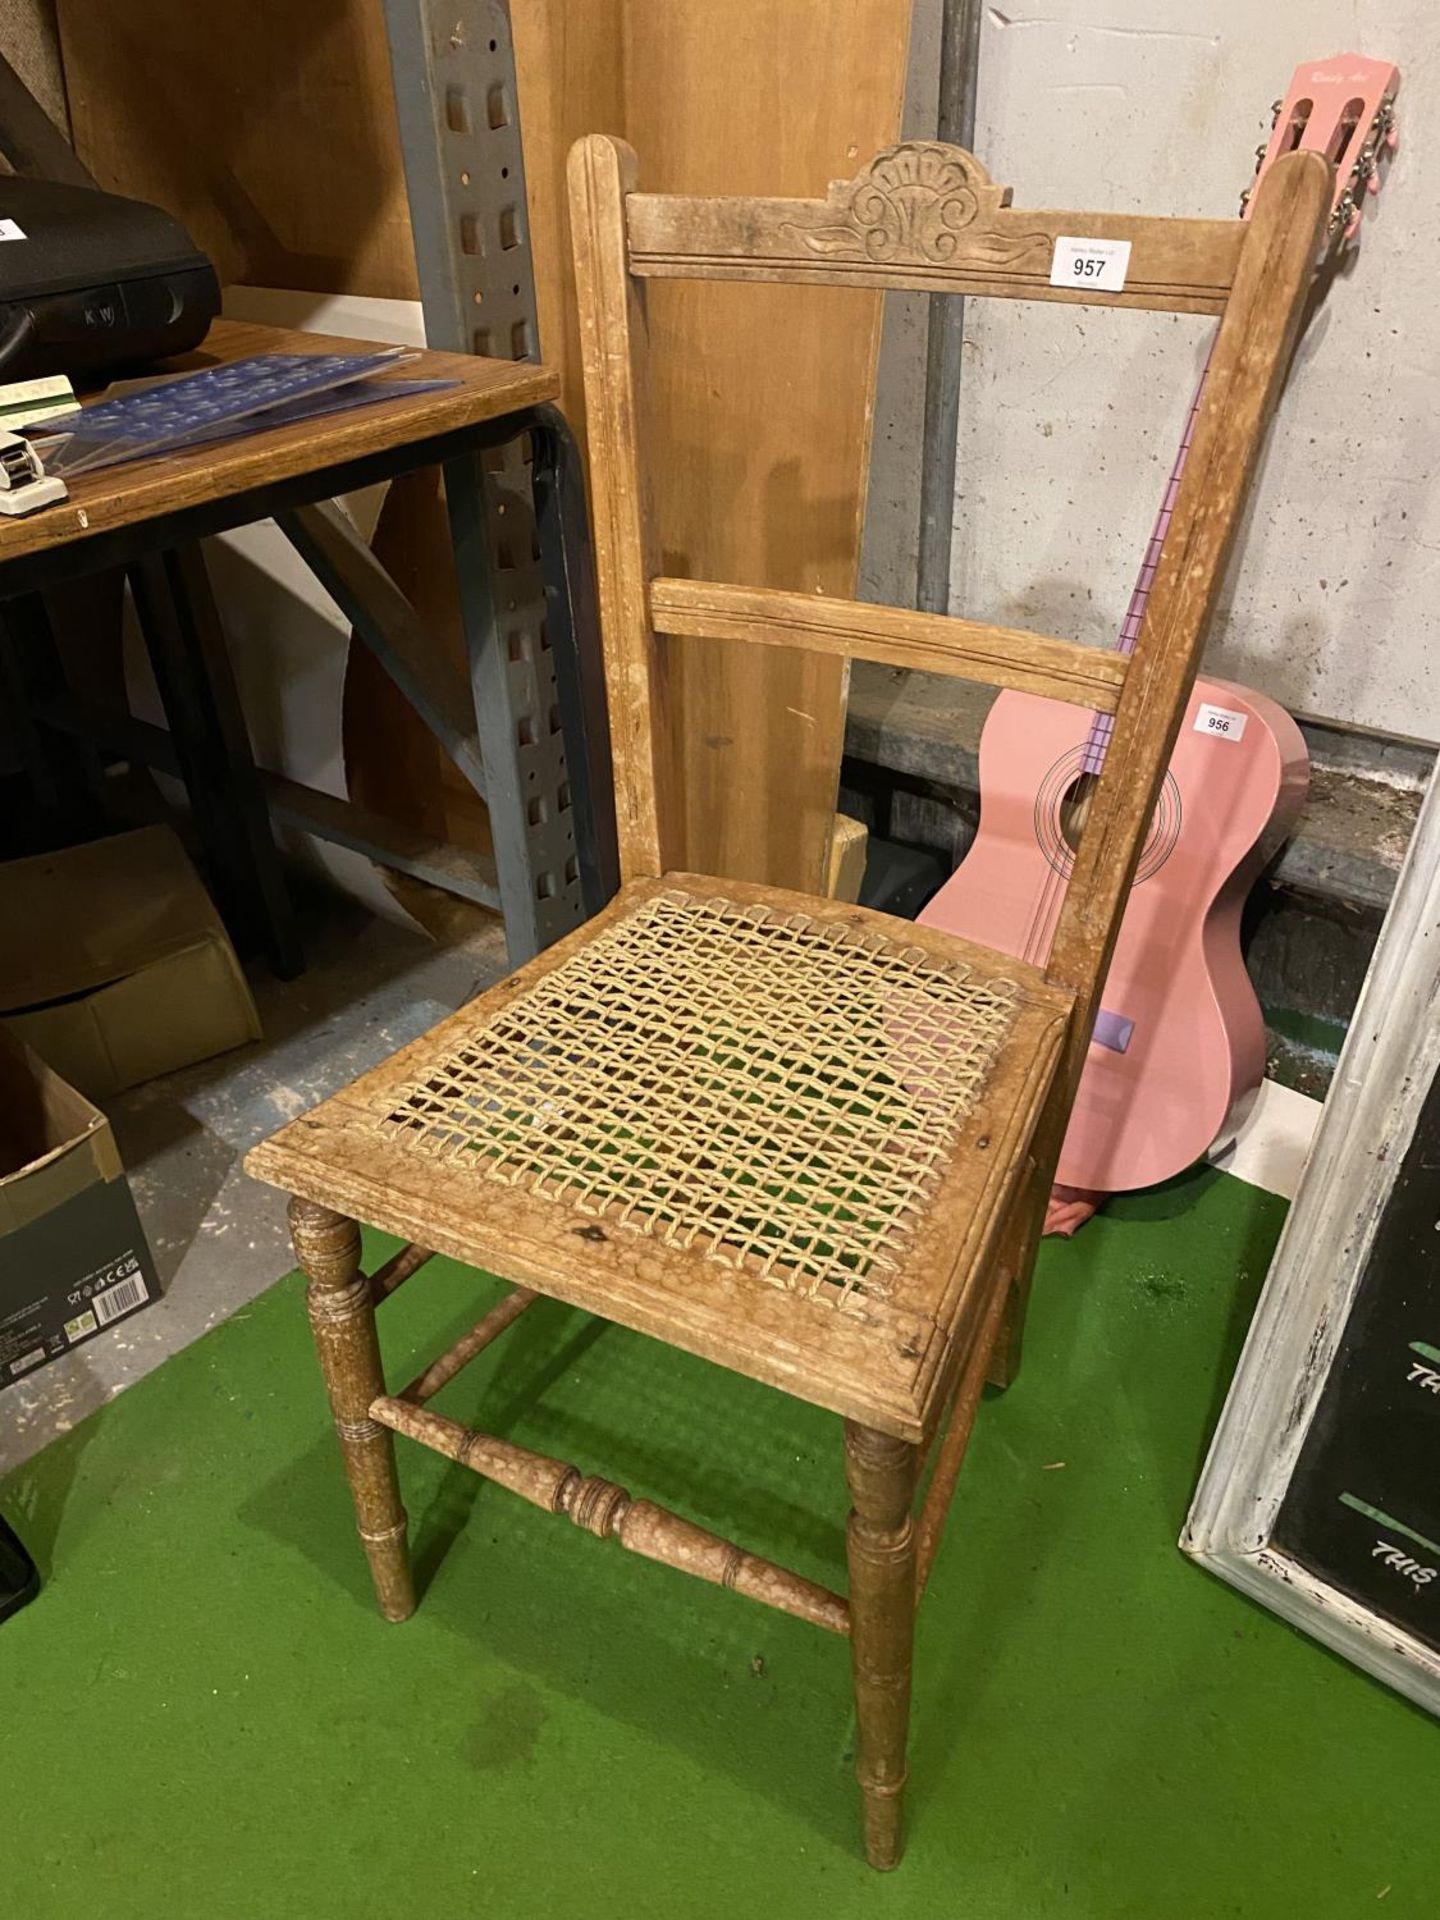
(926, 216)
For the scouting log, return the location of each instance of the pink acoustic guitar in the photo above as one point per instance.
(1178, 1051)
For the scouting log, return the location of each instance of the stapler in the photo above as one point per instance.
(24, 483)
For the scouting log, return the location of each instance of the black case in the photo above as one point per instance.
(109, 283)
(19, 1582)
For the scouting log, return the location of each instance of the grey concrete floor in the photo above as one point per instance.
(219, 1238)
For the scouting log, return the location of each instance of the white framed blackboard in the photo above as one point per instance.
(1321, 1493)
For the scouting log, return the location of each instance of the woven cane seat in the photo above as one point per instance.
(756, 1110)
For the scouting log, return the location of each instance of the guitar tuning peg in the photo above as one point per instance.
(1352, 227)
(1372, 182)
(1392, 139)
(1262, 149)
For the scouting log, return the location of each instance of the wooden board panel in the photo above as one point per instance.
(267, 128)
(570, 81)
(393, 762)
(272, 134)
(763, 396)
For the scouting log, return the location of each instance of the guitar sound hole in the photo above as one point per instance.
(1075, 808)
(1064, 800)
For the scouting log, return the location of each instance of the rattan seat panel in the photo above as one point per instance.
(504, 1173)
(777, 1092)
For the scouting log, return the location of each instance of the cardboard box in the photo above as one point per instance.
(114, 965)
(73, 1257)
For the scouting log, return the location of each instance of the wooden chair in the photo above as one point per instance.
(805, 1141)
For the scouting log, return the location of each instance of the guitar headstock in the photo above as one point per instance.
(1345, 109)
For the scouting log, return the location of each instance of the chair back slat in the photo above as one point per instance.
(892, 636)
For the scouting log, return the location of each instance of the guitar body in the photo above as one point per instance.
(1186, 1050)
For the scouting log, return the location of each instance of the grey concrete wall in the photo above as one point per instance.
(1069, 417)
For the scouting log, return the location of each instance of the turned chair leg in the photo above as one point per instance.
(342, 1318)
(1010, 1340)
(880, 1546)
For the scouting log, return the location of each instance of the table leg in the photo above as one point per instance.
(186, 643)
(64, 774)
(517, 715)
(572, 619)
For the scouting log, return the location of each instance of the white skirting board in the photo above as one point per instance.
(1271, 1146)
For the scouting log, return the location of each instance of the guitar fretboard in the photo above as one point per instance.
(1103, 724)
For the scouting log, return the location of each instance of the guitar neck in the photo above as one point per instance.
(1103, 724)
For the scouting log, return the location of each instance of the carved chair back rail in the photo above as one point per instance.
(926, 217)
(807, 1142)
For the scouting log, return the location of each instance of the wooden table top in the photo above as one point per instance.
(123, 496)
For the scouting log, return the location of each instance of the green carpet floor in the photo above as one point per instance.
(203, 1716)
